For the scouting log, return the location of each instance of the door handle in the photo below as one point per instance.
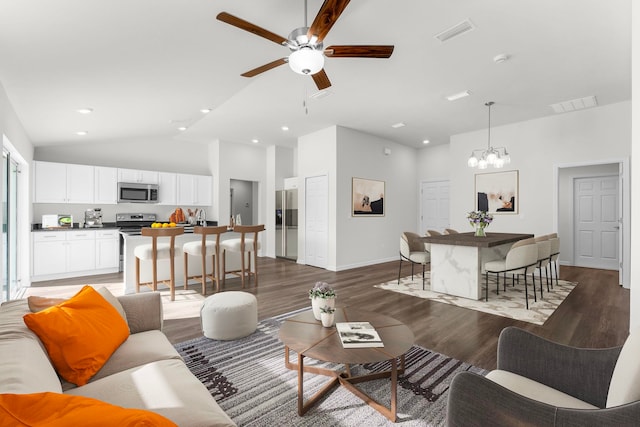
(617, 227)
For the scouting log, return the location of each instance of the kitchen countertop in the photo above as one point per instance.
(106, 226)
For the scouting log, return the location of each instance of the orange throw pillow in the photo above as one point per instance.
(80, 334)
(61, 410)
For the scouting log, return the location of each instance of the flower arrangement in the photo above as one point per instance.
(327, 309)
(479, 220)
(322, 290)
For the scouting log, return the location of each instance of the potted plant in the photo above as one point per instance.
(321, 295)
(480, 220)
(327, 316)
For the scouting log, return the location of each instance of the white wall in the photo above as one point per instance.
(536, 147)
(371, 240)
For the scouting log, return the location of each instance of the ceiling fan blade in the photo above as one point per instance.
(248, 26)
(328, 14)
(265, 67)
(321, 79)
(363, 51)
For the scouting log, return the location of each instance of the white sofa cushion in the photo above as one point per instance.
(536, 391)
(166, 387)
(24, 364)
(625, 381)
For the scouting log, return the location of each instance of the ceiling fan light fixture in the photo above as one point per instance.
(306, 61)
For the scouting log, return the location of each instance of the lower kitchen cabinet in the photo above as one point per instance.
(61, 254)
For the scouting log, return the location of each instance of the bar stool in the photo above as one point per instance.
(202, 248)
(243, 245)
(154, 251)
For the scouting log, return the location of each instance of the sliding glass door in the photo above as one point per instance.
(10, 282)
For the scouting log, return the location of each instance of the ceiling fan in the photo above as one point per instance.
(307, 52)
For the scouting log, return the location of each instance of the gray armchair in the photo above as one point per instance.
(542, 383)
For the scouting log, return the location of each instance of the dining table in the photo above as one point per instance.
(457, 260)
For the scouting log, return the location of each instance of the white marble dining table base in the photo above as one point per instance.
(459, 270)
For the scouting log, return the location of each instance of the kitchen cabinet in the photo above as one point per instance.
(167, 188)
(141, 176)
(105, 185)
(78, 252)
(107, 249)
(194, 190)
(62, 183)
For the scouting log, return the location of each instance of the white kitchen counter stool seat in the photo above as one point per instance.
(154, 251)
(203, 248)
(247, 244)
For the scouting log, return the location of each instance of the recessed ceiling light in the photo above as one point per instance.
(285, 128)
(459, 95)
(182, 128)
(85, 110)
(426, 141)
(398, 125)
(82, 132)
(255, 141)
(498, 59)
(205, 110)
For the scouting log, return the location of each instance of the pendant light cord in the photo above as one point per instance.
(489, 104)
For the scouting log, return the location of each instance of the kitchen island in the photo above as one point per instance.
(457, 260)
(131, 241)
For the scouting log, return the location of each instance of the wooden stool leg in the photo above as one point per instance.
(137, 275)
(242, 271)
(172, 279)
(186, 270)
(217, 267)
(204, 272)
(255, 263)
(224, 267)
(155, 274)
(214, 277)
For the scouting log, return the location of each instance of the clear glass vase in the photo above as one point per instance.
(480, 231)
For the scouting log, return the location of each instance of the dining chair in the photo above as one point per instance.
(244, 246)
(544, 255)
(433, 233)
(521, 259)
(450, 231)
(414, 250)
(203, 248)
(554, 256)
(154, 251)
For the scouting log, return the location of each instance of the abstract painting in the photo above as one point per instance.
(367, 197)
(497, 192)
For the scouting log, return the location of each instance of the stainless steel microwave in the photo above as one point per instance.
(132, 192)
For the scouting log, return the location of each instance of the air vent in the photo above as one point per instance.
(320, 94)
(455, 31)
(575, 104)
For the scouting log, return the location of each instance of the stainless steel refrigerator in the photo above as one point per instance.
(287, 224)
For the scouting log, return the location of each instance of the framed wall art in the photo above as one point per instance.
(367, 197)
(497, 193)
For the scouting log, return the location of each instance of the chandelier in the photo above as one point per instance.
(491, 156)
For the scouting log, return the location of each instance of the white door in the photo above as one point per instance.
(596, 233)
(434, 213)
(316, 221)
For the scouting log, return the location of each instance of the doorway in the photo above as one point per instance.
(243, 201)
(434, 205)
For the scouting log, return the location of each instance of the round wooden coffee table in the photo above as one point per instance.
(308, 338)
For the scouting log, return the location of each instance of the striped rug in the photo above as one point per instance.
(248, 379)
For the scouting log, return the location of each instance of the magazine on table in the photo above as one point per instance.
(358, 335)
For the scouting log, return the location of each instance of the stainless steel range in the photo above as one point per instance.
(132, 223)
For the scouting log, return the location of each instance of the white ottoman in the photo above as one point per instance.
(229, 315)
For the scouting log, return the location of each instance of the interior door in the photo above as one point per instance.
(316, 221)
(434, 213)
(596, 234)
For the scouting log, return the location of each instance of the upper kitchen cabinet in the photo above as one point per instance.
(167, 188)
(106, 185)
(62, 183)
(194, 190)
(132, 175)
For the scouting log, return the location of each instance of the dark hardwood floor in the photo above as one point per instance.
(595, 314)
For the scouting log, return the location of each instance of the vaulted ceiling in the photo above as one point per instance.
(147, 67)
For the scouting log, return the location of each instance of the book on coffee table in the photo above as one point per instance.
(358, 335)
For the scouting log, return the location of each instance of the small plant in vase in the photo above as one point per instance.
(327, 316)
(321, 295)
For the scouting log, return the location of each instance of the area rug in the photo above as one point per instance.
(248, 379)
(507, 304)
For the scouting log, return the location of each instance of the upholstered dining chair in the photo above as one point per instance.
(246, 244)
(543, 383)
(433, 233)
(203, 248)
(158, 250)
(521, 259)
(450, 231)
(544, 256)
(414, 250)
(555, 256)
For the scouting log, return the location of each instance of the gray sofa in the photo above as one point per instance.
(541, 383)
(145, 372)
